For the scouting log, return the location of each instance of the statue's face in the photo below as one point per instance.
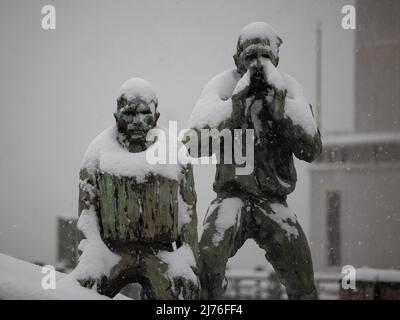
(135, 117)
(252, 51)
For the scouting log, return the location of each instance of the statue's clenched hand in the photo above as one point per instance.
(240, 93)
(275, 90)
(276, 102)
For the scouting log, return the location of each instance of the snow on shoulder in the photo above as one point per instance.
(137, 87)
(297, 108)
(214, 104)
(106, 154)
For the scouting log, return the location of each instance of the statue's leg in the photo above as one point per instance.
(278, 232)
(121, 274)
(224, 233)
(155, 282)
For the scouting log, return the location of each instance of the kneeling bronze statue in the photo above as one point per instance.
(139, 220)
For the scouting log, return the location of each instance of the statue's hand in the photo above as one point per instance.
(276, 102)
(275, 93)
(239, 95)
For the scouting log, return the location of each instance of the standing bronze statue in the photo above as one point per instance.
(256, 95)
(139, 220)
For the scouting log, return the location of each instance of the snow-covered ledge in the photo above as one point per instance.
(23, 281)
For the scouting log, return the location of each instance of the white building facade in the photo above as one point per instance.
(355, 184)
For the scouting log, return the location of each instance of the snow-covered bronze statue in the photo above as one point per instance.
(139, 220)
(256, 95)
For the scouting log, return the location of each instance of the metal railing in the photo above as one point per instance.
(264, 285)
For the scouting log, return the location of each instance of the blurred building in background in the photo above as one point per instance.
(355, 184)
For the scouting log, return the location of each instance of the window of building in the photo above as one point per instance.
(333, 227)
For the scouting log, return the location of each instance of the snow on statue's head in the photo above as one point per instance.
(257, 39)
(136, 109)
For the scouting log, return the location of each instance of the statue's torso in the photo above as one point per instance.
(138, 211)
(138, 201)
(274, 174)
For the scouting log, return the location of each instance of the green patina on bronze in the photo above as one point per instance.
(263, 214)
(132, 211)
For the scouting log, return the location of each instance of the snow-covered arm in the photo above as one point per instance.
(96, 260)
(212, 110)
(187, 220)
(298, 124)
(88, 191)
(183, 262)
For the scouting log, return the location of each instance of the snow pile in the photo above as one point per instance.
(23, 280)
(106, 154)
(96, 259)
(229, 214)
(137, 87)
(180, 263)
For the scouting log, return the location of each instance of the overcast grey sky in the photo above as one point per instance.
(58, 90)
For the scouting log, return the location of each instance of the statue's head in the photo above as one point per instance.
(256, 40)
(136, 109)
